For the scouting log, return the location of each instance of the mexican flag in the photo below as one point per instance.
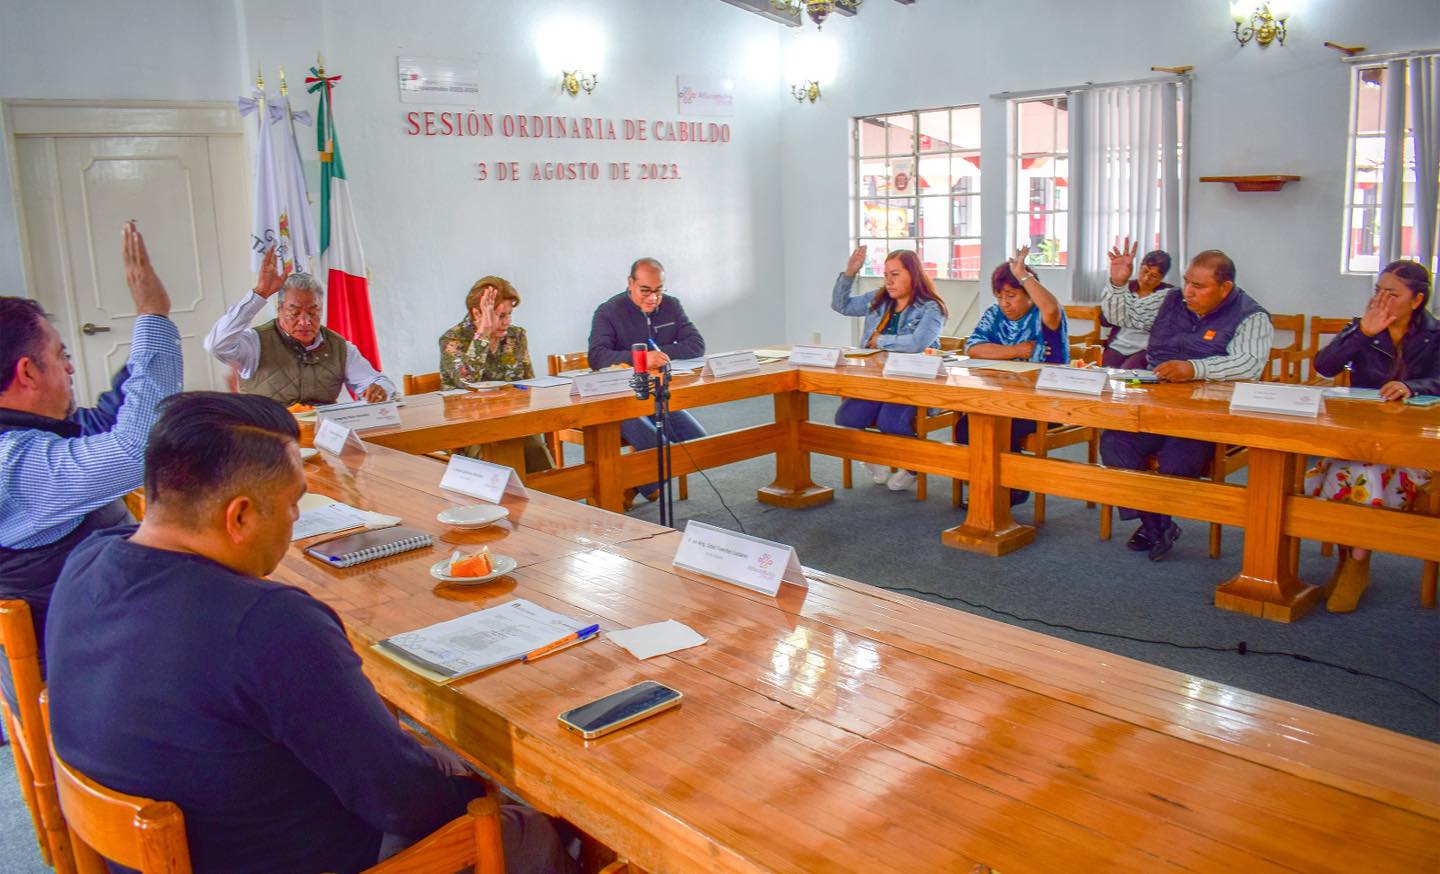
(342, 260)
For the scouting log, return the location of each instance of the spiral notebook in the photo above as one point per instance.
(353, 549)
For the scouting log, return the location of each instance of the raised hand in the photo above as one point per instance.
(1122, 262)
(1376, 318)
(487, 323)
(1017, 264)
(146, 289)
(272, 278)
(857, 260)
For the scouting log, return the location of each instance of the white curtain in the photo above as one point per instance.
(1125, 176)
(1425, 116)
(1392, 174)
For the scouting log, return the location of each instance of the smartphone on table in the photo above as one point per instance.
(619, 709)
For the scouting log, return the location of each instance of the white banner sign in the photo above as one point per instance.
(815, 356)
(332, 437)
(439, 80)
(912, 364)
(601, 382)
(705, 95)
(1287, 400)
(486, 481)
(1085, 380)
(359, 416)
(738, 558)
(731, 363)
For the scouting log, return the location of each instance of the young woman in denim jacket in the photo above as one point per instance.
(1393, 348)
(905, 315)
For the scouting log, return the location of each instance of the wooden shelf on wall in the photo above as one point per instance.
(1271, 182)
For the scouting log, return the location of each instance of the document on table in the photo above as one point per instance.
(322, 515)
(657, 638)
(679, 364)
(766, 356)
(459, 647)
(543, 381)
(1010, 366)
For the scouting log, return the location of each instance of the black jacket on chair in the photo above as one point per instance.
(1372, 360)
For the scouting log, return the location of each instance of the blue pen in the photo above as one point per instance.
(653, 344)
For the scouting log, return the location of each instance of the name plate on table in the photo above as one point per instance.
(912, 364)
(486, 481)
(601, 382)
(731, 363)
(1084, 380)
(738, 558)
(1287, 400)
(359, 416)
(333, 437)
(815, 356)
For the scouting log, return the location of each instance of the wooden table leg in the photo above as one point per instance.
(602, 453)
(1267, 585)
(989, 528)
(792, 487)
(510, 453)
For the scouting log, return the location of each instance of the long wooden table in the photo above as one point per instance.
(1266, 506)
(845, 728)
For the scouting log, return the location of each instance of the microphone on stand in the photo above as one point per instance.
(640, 381)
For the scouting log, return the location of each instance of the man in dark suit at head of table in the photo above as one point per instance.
(643, 313)
(177, 672)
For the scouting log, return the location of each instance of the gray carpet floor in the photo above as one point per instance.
(1067, 576)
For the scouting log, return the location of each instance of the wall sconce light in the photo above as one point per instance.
(572, 82)
(1264, 23)
(807, 90)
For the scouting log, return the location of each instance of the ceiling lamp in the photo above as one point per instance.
(818, 10)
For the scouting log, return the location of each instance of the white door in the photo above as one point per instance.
(178, 171)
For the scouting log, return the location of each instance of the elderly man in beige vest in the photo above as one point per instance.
(293, 358)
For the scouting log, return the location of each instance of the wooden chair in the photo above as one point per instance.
(1280, 353)
(1087, 317)
(135, 503)
(421, 383)
(1226, 460)
(1320, 328)
(556, 364)
(149, 835)
(1092, 355)
(29, 741)
(951, 343)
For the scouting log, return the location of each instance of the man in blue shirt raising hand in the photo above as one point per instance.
(63, 471)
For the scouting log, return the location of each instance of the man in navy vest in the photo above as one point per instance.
(1208, 330)
(63, 470)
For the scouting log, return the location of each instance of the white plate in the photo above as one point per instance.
(502, 564)
(473, 516)
(487, 385)
(308, 452)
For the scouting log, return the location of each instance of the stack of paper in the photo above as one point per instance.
(322, 515)
(450, 650)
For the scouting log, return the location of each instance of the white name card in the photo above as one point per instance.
(912, 364)
(601, 382)
(486, 481)
(333, 437)
(738, 558)
(815, 356)
(1287, 400)
(359, 416)
(731, 363)
(1085, 380)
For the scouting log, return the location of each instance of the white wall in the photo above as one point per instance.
(1278, 110)
(428, 229)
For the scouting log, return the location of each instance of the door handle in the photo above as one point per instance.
(89, 329)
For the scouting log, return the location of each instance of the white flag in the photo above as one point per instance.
(299, 221)
(265, 224)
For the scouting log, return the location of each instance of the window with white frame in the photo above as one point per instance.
(916, 185)
(1368, 141)
(1040, 176)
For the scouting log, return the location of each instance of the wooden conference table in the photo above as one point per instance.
(1265, 506)
(846, 728)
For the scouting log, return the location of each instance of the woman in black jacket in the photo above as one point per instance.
(1393, 348)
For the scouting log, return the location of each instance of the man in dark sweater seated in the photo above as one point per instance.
(642, 313)
(178, 673)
